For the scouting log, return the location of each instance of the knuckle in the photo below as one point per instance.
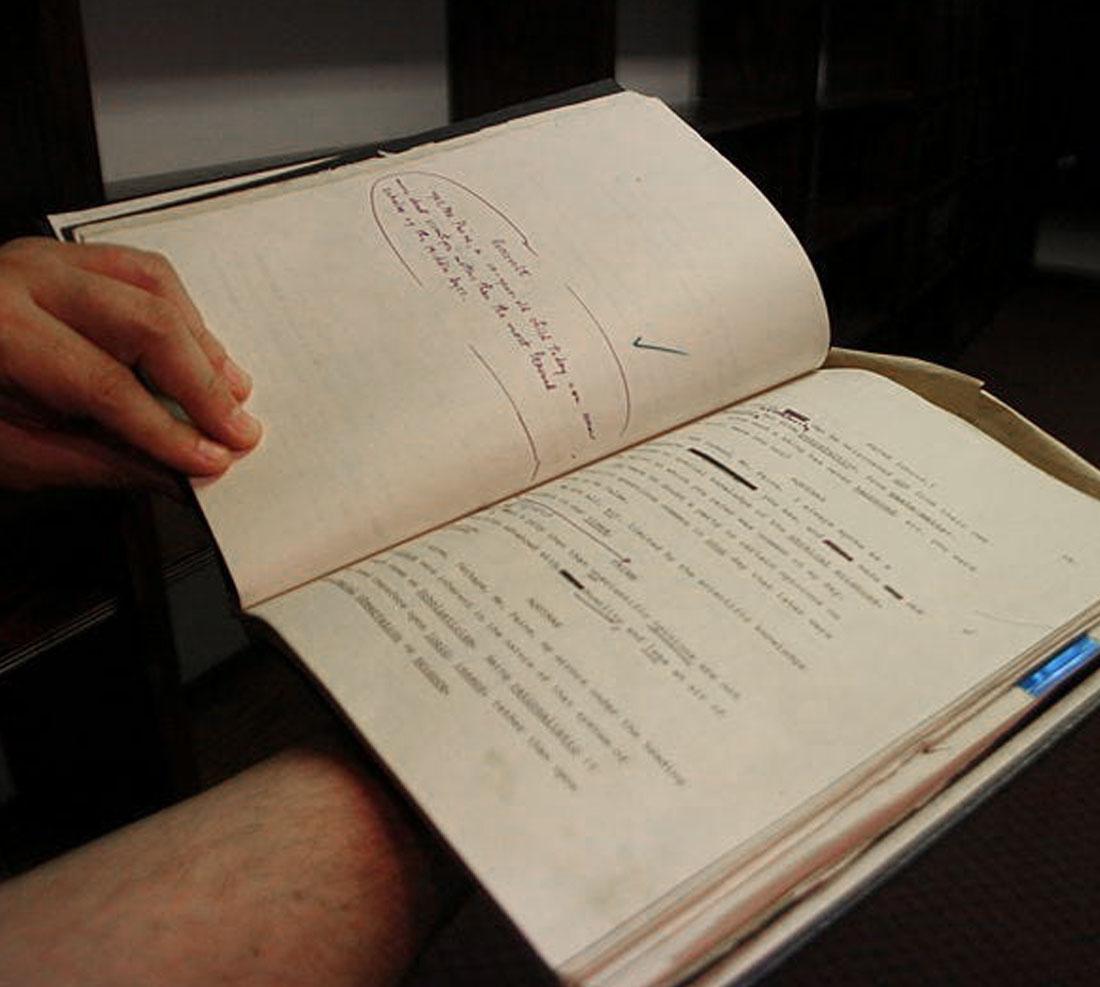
(217, 391)
(145, 269)
(113, 257)
(156, 267)
(109, 389)
(159, 320)
(82, 295)
(209, 392)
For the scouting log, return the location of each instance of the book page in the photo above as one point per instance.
(430, 332)
(893, 849)
(731, 912)
(603, 687)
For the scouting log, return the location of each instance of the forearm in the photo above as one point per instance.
(301, 870)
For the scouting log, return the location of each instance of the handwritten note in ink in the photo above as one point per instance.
(536, 341)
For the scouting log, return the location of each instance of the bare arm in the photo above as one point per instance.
(300, 870)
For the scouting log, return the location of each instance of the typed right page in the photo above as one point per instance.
(643, 674)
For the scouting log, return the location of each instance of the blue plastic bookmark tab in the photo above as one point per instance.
(1073, 656)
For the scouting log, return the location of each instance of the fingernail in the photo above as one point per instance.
(243, 426)
(239, 381)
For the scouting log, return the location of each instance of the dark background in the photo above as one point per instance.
(913, 146)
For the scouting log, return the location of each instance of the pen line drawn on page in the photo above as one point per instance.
(537, 463)
(431, 174)
(657, 348)
(614, 356)
(542, 505)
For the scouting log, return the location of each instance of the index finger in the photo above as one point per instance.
(152, 272)
(142, 329)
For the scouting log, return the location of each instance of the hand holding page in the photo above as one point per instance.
(746, 594)
(78, 325)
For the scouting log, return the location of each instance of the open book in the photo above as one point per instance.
(661, 622)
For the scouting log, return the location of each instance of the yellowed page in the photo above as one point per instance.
(893, 849)
(603, 687)
(727, 910)
(965, 397)
(715, 925)
(431, 332)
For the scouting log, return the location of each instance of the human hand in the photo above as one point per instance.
(77, 324)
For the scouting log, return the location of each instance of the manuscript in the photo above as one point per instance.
(659, 611)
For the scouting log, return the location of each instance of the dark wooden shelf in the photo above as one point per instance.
(900, 142)
(714, 117)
